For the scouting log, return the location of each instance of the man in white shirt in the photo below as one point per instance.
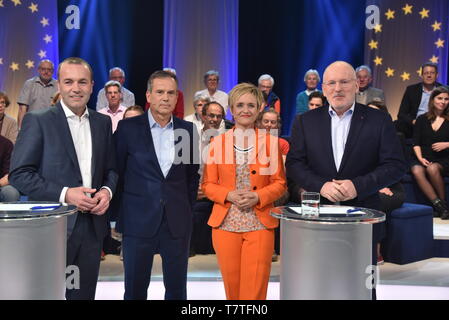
(115, 110)
(116, 74)
(65, 154)
(211, 80)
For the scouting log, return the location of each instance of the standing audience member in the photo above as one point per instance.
(211, 80)
(415, 101)
(366, 92)
(38, 91)
(115, 110)
(271, 100)
(8, 126)
(7, 192)
(66, 154)
(116, 74)
(311, 79)
(316, 100)
(431, 147)
(244, 190)
(157, 188)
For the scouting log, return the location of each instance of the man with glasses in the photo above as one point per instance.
(197, 117)
(416, 99)
(211, 80)
(127, 100)
(347, 151)
(38, 91)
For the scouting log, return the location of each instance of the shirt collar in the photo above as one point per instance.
(154, 124)
(51, 83)
(121, 108)
(69, 113)
(350, 111)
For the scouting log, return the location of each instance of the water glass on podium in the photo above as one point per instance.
(310, 204)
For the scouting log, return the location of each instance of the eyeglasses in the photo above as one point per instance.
(212, 116)
(345, 83)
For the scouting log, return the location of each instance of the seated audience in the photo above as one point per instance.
(243, 191)
(8, 126)
(366, 92)
(416, 99)
(211, 80)
(271, 100)
(197, 116)
(116, 74)
(316, 100)
(311, 79)
(431, 147)
(133, 111)
(7, 192)
(115, 109)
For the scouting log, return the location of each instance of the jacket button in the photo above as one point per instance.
(254, 188)
(254, 172)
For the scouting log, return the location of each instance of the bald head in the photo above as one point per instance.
(340, 86)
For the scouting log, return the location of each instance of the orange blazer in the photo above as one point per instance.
(267, 176)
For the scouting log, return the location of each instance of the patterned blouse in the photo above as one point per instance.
(238, 220)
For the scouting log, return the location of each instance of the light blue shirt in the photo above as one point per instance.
(340, 129)
(164, 145)
(424, 105)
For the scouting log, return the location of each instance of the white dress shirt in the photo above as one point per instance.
(164, 143)
(340, 130)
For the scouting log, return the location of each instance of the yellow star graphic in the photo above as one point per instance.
(378, 61)
(405, 76)
(390, 14)
(434, 59)
(14, 66)
(44, 22)
(389, 72)
(16, 2)
(424, 13)
(30, 64)
(419, 72)
(407, 9)
(42, 54)
(33, 7)
(436, 26)
(378, 28)
(439, 43)
(47, 38)
(373, 44)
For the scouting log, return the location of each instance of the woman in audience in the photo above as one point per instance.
(243, 176)
(8, 125)
(311, 79)
(133, 111)
(431, 147)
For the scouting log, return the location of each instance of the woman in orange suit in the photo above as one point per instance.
(243, 176)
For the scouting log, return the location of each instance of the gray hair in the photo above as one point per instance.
(200, 97)
(266, 77)
(363, 67)
(119, 69)
(48, 61)
(170, 70)
(312, 71)
(211, 73)
(113, 83)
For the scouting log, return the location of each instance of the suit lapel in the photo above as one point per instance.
(326, 125)
(94, 133)
(357, 122)
(63, 127)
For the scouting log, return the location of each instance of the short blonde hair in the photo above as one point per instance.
(242, 89)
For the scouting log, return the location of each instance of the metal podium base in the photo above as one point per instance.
(325, 261)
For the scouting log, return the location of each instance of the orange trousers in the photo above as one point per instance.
(245, 262)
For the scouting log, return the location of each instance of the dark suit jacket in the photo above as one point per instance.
(372, 158)
(145, 195)
(44, 160)
(409, 108)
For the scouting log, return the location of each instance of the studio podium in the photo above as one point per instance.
(33, 250)
(326, 257)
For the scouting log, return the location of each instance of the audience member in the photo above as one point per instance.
(158, 184)
(133, 111)
(8, 126)
(316, 100)
(244, 191)
(271, 100)
(38, 91)
(211, 80)
(65, 154)
(115, 110)
(116, 74)
(416, 99)
(7, 192)
(197, 117)
(346, 152)
(366, 92)
(311, 79)
(431, 147)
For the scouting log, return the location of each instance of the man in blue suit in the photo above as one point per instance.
(347, 152)
(158, 185)
(66, 153)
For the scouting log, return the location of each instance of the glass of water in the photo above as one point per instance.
(310, 204)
